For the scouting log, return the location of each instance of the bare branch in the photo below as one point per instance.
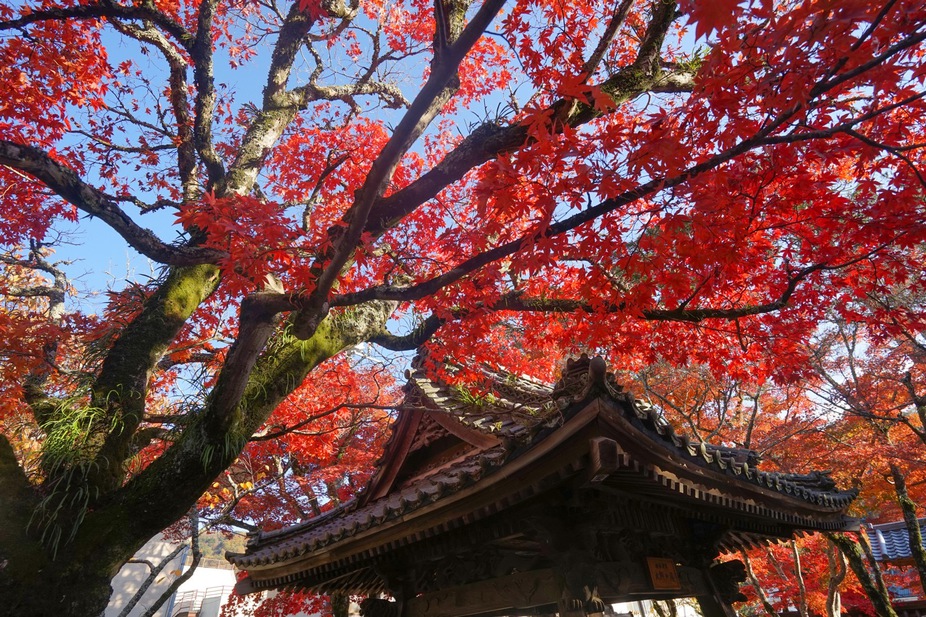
(413, 340)
(607, 37)
(441, 85)
(69, 186)
(186, 151)
(892, 150)
(281, 432)
(204, 108)
(143, 11)
(119, 148)
(153, 572)
(197, 557)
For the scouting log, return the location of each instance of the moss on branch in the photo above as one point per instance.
(121, 387)
(208, 445)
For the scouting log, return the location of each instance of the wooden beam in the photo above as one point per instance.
(521, 592)
(515, 592)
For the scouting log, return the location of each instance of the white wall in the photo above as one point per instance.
(207, 589)
(132, 575)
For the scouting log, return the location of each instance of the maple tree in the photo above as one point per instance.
(694, 181)
(879, 392)
(874, 446)
(808, 575)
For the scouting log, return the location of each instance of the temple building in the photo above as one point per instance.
(532, 500)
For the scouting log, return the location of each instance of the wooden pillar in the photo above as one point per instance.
(569, 540)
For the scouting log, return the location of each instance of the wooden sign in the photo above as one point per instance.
(663, 574)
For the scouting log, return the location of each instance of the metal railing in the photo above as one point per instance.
(192, 602)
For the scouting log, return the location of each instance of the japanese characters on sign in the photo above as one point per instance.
(663, 574)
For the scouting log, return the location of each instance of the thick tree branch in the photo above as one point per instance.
(215, 436)
(490, 140)
(121, 386)
(204, 107)
(69, 186)
(257, 326)
(278, 110)
(414, 339)
(764, 136)
(143, 11)
(36, 291)
(184, 143)
(280, 106)
(442, 83)
(914, 532)
(664, 12)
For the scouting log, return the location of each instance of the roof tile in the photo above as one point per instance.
(891, 541)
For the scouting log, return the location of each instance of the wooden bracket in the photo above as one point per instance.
(605, 457)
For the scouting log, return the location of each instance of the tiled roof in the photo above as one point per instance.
(523, 413)
(350, 520)
(512, 408)
(518, 407)
(891, 541)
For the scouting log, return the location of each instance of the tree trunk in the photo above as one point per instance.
(760, 591)
(872, 563)
(837, 571)
(153, 572)
(197, 557)
(67, 590)
(71, 576)
(801, 586)
(854, 553)
(665, 608)
(340, 604)
(31, 581)
(712, 606)
(913, 525)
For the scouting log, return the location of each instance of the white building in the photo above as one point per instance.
(202, 595)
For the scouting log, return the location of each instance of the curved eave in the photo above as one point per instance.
(656, 472)
(518, 479)
(679, 471)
